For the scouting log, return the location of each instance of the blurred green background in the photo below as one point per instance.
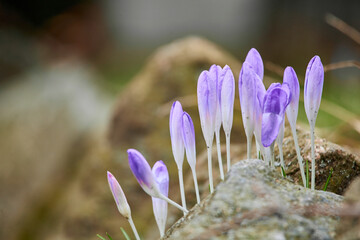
(64, 63)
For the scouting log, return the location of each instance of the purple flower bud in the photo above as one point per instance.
(292, 82)
(207, 103)
(217, 72)
(227, 96)
(260, 94)
(314, 81)
(160, 206)
(176, 133)
(275, 102)
(247, 93)
(254, 59)
(119, 196)
(142, 172)
(189, 139)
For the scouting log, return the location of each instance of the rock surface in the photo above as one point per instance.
(255, 202)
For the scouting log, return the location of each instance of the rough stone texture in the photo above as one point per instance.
(255, 202)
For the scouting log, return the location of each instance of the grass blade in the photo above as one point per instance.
(99, 236)
(328, 180)
(125, 234)
(307, 173)
(283, 172)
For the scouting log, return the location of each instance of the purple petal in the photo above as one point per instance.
(254, 59)
(247, 93)
(176, 133)
(260, 94)
(189, 139)
(227, 98)
(292, 82)
(314, 81)
(119, 196)
(275, 101)
(207, 104)
(142, 172)
(270, 128)
(160, 206)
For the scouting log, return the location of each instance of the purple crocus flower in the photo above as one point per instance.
(160, 206)
(189, 142)
(208, 103)
(275, 102)
(247, 93)
(314, 81)
(292, 82)
(254, 59)
(119, 196)
(227, 97)
(260, 94)
(176, 133)
(142, 172)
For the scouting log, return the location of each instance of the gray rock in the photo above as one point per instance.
(255, 202)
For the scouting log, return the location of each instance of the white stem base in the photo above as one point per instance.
(312, 132)
(228, 151)
(173, 203)
(182, 190)
(218, 147)
(249, 147)
(300, 159)
(211, 183)
(196, 186)
(133, 228)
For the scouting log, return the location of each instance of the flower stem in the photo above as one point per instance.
(312, 158)
(228, 151)
(300, 159)
(182, 191)
(196, 186)
(133, 228)
(217, 135)
(209, 148)
(248, 147)
(281, 158)
(272, 162)
(163, 197)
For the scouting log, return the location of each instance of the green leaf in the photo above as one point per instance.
(125, 234)
(108, 236)
(307, 173)
(102, 238)
(283, 171)
(328, 180)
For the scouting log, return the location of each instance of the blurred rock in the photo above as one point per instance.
(255, 202)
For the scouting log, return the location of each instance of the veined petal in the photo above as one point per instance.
(160, 206)
(275, 101)
(254, 59)
(314, 81)
(247, 93)
(217, 72)
(271, 123)
(177, 143)
(292, 81)
(142, 172)
(260, 94)
(227, 93)
(119, 196)
(189, 139)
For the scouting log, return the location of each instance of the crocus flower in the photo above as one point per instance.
(207, 103)
(143, 174)
(160, 206)
(189, 142)
(254, 59)
(275, 102)
(292, 81)
(177, 143)
(227, 96)
(247, 93)
(121, 201)
(314, 81)
(217, 72)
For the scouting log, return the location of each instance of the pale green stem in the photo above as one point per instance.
(281, 156)
(133, 228)
(300, 159)
(248, 147)
(272, 162)
(173, 203)
(228, 151)
(182, 191)
(218, 147)
(257, 148)
(196, 186)
(210, 168)
(312, 157)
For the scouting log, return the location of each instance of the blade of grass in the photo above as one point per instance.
(283, 171)
(328, 180)
(124, 233)
(99, 236)
(108, 236)
(307, 173)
